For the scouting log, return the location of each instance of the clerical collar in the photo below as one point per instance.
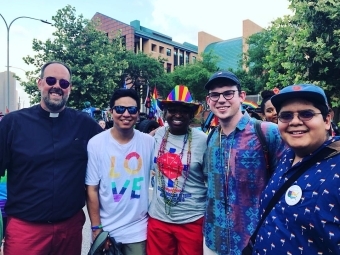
(54, 114)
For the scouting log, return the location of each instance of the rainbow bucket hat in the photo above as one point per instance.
(181, 95)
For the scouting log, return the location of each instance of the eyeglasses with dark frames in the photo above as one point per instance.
(121, 109)
(228, 95)
(304, 115)
(64, 84)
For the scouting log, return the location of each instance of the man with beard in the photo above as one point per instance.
(43, 149)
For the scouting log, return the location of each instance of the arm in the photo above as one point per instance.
(93, 208)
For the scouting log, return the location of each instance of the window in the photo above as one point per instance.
(181, 59)
(153, 47)
(168, 68)
(168, 52)
(161, 49)
(123, 41)
(193, 59)
(187, 58)
(175, 58)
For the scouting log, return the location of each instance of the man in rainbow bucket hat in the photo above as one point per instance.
(178, 203)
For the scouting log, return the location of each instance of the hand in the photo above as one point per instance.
(107, 244)
(95, 233)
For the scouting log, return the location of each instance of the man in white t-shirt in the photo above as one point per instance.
(117, 178)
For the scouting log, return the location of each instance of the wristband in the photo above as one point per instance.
(94, 228)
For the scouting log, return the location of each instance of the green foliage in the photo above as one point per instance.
(300, 48)
(255, 58)
(276, 62)
(194, 75)
(248, 83)
(305, 47)
(96, 61)
(143, 69)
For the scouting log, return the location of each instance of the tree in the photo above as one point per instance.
(143, 70)
(95, 60)
(255, 58)
(195, 75)
(305, 47)
(248, 83)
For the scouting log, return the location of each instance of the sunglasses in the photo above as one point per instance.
(305, 115)
(228, 94)
(64, 84)
(121, 109)
(179, 110)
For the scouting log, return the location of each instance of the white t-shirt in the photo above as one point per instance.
(122, 172)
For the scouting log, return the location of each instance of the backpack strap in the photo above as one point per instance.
(263, 142)
(210, 134)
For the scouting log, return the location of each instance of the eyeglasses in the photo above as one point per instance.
(64, 84)
(228, 94)
(305, 115)
(121, 109)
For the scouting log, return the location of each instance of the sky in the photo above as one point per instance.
(180, 19)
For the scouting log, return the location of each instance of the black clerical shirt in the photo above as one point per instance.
(45, 157)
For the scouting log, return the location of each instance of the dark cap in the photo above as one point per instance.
(222, 75)
(309, 92)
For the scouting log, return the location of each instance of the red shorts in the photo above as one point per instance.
(30, 238)
(174, 239)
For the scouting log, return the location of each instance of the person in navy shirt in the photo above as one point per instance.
(44, 151)
(306, 218)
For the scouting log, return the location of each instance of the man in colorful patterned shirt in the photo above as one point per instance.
(236, 167)
(306, 219)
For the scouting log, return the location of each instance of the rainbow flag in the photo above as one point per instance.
(156, 111)
(250, 104)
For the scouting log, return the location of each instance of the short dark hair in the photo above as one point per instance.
(266, 96)
(54, 62)
(124, 93)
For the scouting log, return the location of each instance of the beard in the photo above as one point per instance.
(52, 105)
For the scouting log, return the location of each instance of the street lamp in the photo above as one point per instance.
(17, 68)
(8, 28)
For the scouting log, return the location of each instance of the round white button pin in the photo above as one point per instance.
(293, 195)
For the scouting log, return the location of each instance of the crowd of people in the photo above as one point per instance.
(250, 187)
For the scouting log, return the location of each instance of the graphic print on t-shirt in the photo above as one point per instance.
(171, 166)
(132, 165)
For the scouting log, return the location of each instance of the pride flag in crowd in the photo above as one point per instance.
(156, 111)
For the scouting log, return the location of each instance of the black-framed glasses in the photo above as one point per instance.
(304, 115)
(228, 95)
(121, 109)
(64, 84)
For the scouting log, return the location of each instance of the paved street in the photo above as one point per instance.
(86, 234)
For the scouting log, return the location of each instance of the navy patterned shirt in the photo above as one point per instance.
(306, 218)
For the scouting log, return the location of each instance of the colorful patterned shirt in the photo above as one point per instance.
(236, 169)
(306, 220)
